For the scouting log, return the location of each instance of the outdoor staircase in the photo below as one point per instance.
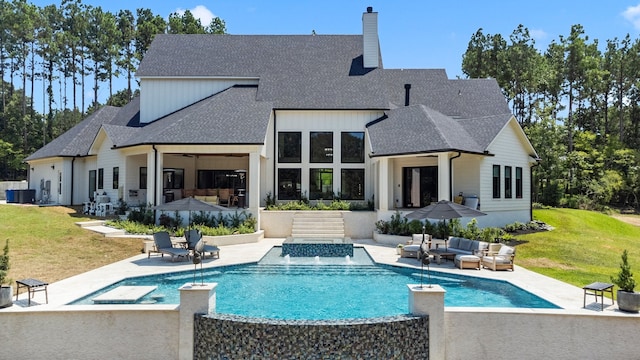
(318, 224)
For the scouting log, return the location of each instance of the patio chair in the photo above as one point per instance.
(503, 260)
(193, 236)
(165, 246)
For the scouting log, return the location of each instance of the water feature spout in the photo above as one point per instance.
(347, 259)
(316, 259)
(287, 259)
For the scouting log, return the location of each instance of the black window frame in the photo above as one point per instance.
(518, 182)
(347, 147)
(100, 179)
(289, 187)
(142, 177)
(508, 182)
(93, 176)
(496, 181)
(346, 192)
(115, 178)
(320, 147)
(314, 192)
(289, 147)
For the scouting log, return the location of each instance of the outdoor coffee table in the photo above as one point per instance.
(438, 255)
(598, 289)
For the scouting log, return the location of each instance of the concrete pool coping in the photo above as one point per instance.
(567, 296)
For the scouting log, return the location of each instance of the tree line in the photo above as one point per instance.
(69, 49)
(578, 103)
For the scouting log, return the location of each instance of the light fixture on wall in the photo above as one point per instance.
(53, 166)
(32, 169)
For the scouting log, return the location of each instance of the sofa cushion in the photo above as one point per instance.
(506, 250)
(453, 242)
(465, 244)
(480, 246)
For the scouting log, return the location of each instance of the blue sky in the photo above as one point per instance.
(413, 34)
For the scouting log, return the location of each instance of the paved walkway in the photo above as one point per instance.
(62, 292)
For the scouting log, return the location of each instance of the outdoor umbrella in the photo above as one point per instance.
(189, 204)
(443, 210)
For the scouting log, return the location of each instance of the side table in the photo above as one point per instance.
(32, 286)
(598, 289)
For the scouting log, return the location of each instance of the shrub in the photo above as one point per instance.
(4, 263)
(624, 280)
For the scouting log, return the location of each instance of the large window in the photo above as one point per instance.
(289, 147)
(507, 182)
(143, 178)
(352, 184)
(496, 181)
(212, 179)
(519, 182)
(172, 178)
(116, 177)
(289, 184)
(321, 147)
(352, 149)
(320, 184)
(100, 179)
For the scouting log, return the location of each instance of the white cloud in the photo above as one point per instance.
(632, 14)
(538, 34)
(199, 12)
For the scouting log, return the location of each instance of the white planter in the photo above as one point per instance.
(390, 239)
(629, 301)
(234, 239)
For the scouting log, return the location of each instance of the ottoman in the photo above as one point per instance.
(467, 262)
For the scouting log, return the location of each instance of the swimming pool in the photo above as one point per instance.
(326, 292)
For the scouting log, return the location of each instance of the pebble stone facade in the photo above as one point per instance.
(222, 336)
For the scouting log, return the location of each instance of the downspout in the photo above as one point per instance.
(531, 188)
(451, 175)
(72, 177)
(275, 140)
(155, 176)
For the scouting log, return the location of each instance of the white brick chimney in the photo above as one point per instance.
(371, 46)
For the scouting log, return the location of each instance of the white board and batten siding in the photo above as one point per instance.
(160, 97)
(335, 121)
(107, 160)
(510, 149)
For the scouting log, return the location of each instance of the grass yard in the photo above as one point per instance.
(45, 243)
(584, 247)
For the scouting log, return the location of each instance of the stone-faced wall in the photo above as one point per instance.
(221, 336)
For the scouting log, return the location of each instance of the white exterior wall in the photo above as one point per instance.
(81, 169)
(509, 148)
(336, 122)
(159, 97)
(132, 179)
(107, 160)
(47, 170)
(466, 175)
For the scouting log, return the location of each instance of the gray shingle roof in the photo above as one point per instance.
(232, 116)
(418, 129)
(321, 72)
(295, 71)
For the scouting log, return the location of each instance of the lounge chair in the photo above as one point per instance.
(193, 236)
(165, 246)
(503, 260)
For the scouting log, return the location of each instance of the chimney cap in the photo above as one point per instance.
(369, 9)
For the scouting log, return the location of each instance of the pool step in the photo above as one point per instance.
(318, 224)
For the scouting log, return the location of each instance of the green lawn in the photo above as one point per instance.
(45, 243)
(584, 247)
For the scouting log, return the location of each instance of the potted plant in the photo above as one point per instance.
(6, 291)
(399, 249)
(628, 299)
(122, 209)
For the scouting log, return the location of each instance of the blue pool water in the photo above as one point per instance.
(344, 290)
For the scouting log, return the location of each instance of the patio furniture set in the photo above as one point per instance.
(465, 253)
(186, 249)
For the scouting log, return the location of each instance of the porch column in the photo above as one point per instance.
(151, 169)
(444, 186)
(383, 183)
(253, 179)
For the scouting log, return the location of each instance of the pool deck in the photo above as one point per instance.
(567, 296)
